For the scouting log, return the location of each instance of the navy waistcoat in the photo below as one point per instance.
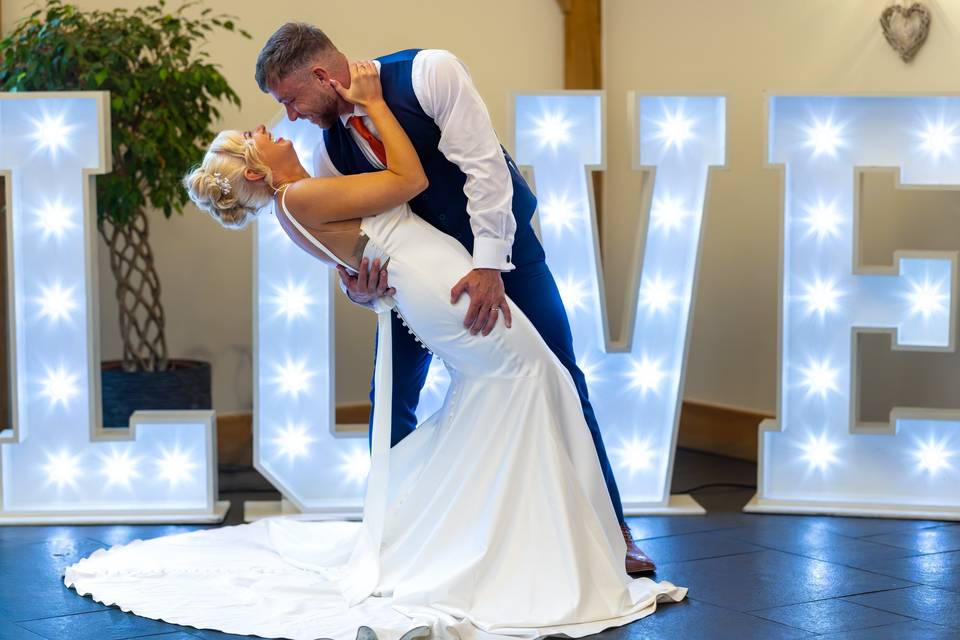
(443, 204)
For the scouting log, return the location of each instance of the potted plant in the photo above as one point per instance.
(163, 95)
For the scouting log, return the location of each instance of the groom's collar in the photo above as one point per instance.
(357, 109)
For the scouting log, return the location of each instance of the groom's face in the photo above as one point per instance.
(306, 96)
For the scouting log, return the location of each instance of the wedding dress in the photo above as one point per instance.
(491, 519)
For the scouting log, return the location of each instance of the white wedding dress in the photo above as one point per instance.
(490, 520)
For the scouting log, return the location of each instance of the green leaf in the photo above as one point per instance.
(164, 92)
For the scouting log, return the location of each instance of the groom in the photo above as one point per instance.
(476, 195)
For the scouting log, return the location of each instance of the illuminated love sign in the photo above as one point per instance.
(635, 386)
(57, 461)
(819, 457)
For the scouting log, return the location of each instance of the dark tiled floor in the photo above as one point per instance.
(750, 576)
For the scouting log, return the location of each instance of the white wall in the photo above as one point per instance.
(205, 270)
(742, 48)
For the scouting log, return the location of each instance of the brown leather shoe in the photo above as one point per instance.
(637, 560)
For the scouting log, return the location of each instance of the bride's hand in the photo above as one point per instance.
(364, 88)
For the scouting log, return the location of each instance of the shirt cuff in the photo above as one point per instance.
(370, 305)
(491, 253)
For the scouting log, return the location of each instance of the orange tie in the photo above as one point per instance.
(357, 123)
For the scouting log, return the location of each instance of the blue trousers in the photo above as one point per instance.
(533, 289)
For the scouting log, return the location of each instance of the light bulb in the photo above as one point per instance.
(820, 378)
(292, 300)
(56, 302)
(62, 468)
(292, 377)
(674, 129)
(823, 220)
(824, 136)
(819, 451)
(293, 441)
(175, 466)
(552, 130)
(356, 465)
(59, 386)
(646, 374)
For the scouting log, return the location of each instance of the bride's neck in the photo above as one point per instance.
(282, 176)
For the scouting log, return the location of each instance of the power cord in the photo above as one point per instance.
(711, 485)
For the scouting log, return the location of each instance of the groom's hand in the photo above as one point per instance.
(487, 297)
(369, 283)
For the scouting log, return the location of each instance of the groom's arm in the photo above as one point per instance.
(447, 94)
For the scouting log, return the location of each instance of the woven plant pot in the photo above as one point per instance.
(184, 385)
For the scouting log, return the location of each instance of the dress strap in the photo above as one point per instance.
(309, 236)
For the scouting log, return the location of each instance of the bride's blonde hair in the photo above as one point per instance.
(217, 185)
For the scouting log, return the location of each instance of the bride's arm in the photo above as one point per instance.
(319, 200)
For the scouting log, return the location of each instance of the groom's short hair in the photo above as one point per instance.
(289, 48)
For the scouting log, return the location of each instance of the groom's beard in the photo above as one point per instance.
(326, 115)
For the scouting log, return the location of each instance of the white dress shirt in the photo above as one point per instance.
(445, 91)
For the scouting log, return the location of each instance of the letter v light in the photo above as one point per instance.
(636, 383)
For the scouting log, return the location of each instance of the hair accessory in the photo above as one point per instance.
(222, 182)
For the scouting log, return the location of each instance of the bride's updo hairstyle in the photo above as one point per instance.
(217, 185)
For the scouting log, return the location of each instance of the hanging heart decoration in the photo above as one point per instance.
(906, 28)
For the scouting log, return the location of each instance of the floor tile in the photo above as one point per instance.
(924, 603)
(914, 630)
(11, 631)
(810, 538)
(693, 546)
(645, 527)
(695, 619)
(41, 600)
(31, 579)
(768, 579)
(830, 616)
(107, 624)
(860, 527)
(940, 570)
(933, 540)
(36, 599)
(124, 534)
(49, 557)
(19, 535)
(206, 634)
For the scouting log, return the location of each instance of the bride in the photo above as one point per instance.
(491, 519)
